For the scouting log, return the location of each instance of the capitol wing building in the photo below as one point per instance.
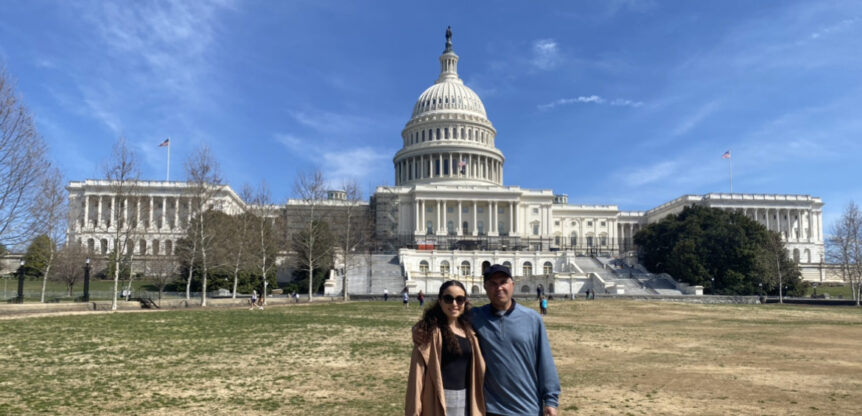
(449, 215)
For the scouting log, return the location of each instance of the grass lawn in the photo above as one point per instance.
(614, 357)
(834, 292)
(99, 289)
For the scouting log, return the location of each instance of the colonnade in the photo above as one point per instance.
(448, 165)
(472, 134)
(475, 222)
(150, 213)
(796, 225)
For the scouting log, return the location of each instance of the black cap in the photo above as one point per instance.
(497, 268)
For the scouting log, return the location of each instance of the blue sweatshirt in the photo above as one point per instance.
(520, 375)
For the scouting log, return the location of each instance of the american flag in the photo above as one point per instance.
(167, 142)
(463, 166)
(726, 155)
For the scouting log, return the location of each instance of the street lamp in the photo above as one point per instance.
(86, 297)
(20, 298)
(713, 285)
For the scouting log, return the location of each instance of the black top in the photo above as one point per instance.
(456, 367)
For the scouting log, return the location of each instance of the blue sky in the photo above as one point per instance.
(612, 102)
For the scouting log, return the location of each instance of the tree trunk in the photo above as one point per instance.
(310, 278)
(45, 277)
(131, 275)
(116, 262)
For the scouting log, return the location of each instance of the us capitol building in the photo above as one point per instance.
(449, 214)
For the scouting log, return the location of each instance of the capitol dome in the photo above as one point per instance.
(449, 137)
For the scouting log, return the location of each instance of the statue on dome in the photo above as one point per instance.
(448, 39)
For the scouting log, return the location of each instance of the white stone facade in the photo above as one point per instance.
(160, 210)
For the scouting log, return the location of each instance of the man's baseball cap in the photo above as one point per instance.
(497, 268)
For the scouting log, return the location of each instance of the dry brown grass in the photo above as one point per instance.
(614, 357)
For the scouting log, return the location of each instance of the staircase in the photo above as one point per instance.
(385, 273)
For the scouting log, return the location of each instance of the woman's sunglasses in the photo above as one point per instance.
(448, 299)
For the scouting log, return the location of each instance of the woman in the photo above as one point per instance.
(446, 369)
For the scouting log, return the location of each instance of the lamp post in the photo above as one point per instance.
(86, 297)
(712, 285)
(20, 298)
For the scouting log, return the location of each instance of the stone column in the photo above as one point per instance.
(125, 211)
(493, 215)
(422, 210)
(416, 216)
(150, 224)
(511, 218)
(475, 230)
(439, 215)
(164, 223)
(86, 211)
(460, 221)
(176, 213)
(767, 219)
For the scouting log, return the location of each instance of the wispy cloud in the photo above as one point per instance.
(650, 174)
(546, 54)
(342, 163)
(692, 120)
(592, 99)
(332, 123)
(841, 26)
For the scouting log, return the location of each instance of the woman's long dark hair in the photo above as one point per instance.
(434, 317)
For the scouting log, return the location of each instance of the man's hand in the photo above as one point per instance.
(549, 411)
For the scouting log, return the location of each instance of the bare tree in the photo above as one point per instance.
(845, 248)
(202, 172)
(240, 235)
(163, 270)
(311, 243)
(265, 244)
(123, 175)
(69, 265)
(22, 163)
(353, 231)
(49, 212)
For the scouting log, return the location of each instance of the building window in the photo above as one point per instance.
(444, 268)
(465, 268)
(507, 265)
(501, 228)
(480, 226)
(603, 224)
(423, 266)
(429, 227)
(589, 241)
(465, 228)
(480, 210)
(535, 210)
(574, 223)
(450, 210)
(528, 269)
(535, 228)
(557, 240)
(450, 228)
(429, 208)
(465, 210)
(603, 240)
(589, 223)
(548, 268)
(501, 210)
(557, 223)
(573, 240)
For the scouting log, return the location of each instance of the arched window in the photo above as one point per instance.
(528, 269)
(91, 245)
(525, 289)
(807, 255)
(465, 228)
(508, 265)
(485, 265)
(103, 245)
(169, 247)
(480, 226)
(444, 268)
(548, 268)
(446, 130)
(573, 239)
(156, 247)
(423, 135)
(796, 255)
(603, 239)
(438, 134)
(589, 241)
(142, 247)
(474, 290)
(423, 266)
(465, 268)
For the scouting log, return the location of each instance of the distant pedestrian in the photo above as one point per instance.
(405, 297)
(295, 297)
(543, 305)
(588, 294)
(385, 294)
(538, 292)
(253, 300)
(421, 298)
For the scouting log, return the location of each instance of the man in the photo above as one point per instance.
(520, 376)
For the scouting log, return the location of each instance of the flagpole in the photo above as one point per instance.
(168, 174)
(731, 171)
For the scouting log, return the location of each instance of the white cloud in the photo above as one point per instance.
(341, 163)
(650, 174)
(838, 27)
(546, 54)
(693, 119)
(332, 123)
(592, 99)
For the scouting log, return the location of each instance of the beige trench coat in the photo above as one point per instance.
(425, 383)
